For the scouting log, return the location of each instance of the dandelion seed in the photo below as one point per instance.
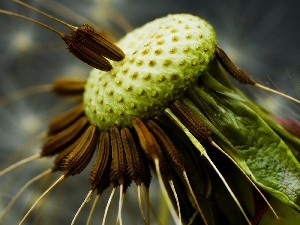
(84, 42)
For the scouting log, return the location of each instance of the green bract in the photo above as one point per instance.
(243, 131)
(162, 59)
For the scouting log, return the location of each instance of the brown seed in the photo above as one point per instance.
(80, 157)
(118, 173)
(62, 155)
(99, 175)
(232, 69)
(136, 165)
(57, 142)
(68, 86)
(93, 40)
(84, 42)
(85, 53)
(146, 139)
(64, 120)
(151, 147)
(195, 126)
(167, 145)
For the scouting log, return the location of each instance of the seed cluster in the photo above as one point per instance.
(162, 59)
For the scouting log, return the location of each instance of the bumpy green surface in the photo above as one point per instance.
(162, 59)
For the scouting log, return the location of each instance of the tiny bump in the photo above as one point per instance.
(181, 62)
(134, 74)
(132, 105)
(121, 113)
(119, 82)
(158, 51)
(154, 93)
(201, 36)
(114, 74)
(187, 78)
(173, 50)
(151, 62)
(120, 99)
(104, 84)
(139, 62)
(147, 76)
(158, 36)
(160, 41)
(128, 88)
(194, 63)
(173, 30)
(167, 62)
(141, 91)
(175, 38)
(110, 92)
(186, 49)
(125, 70)
(188, 36)
(131, 60)
(145, 50)
(100, 101)
(146, 109)
(198, 47)
(161, 78)
(109, 109)
(174, 77)
(186, 27)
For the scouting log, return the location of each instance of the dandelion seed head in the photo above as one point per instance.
(142, 84)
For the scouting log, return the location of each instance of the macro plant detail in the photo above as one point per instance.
(166, 103)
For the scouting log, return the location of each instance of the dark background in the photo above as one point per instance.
(261, 37)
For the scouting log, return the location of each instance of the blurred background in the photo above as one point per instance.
(259, 36)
